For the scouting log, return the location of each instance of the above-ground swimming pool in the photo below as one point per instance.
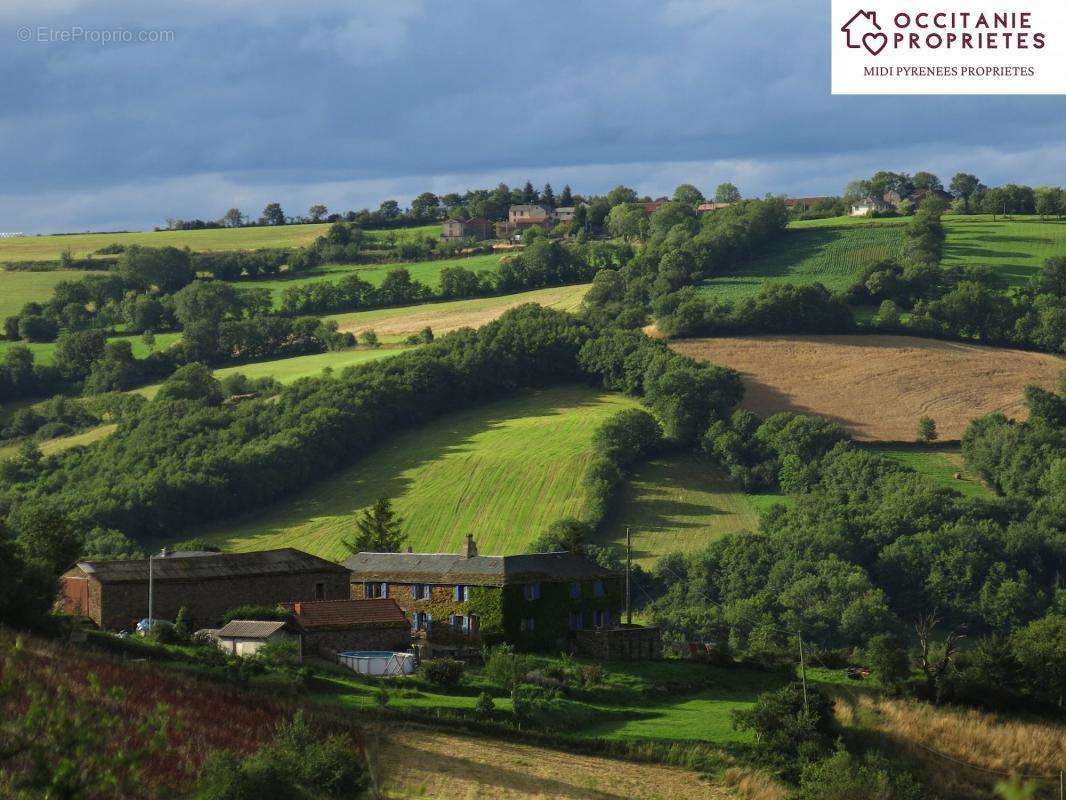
(378, 662)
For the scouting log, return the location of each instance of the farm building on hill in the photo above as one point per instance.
(337, 625)
(114, 594)
(538, 600)
(869, 205)
(455, 229)
(706, 208)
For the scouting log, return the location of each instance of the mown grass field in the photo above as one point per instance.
(394, 324)
(19, 288)
(680, 502)
(833, 251)
(504, 470)
(427, 272)
(50, 248)
(938, 464)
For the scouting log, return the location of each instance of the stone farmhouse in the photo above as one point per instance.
(475, 228)
(537, 600)
(114, 594)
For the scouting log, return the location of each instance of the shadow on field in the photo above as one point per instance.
(326, 511)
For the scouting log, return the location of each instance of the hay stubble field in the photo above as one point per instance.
(879, 386)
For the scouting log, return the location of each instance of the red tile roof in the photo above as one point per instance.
(320, 615)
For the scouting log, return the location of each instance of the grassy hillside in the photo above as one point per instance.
(504, 471)
(938, 464)
(19, 288)
(427, 272)
(680, 502)
(49, 248)
(833, 251)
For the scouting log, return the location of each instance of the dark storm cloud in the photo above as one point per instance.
(349, 102)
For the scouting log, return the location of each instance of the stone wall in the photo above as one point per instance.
(626, 643)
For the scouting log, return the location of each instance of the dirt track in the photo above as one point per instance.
(879, 386)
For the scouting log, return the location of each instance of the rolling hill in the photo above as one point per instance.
(50, 248)
(879, 386)
(504, 471)
(833, 251)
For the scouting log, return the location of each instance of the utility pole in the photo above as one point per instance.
(151, 594)
(803, 676)
(629, 559)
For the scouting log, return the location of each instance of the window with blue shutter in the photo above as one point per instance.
(575, 590)
(532, 591)
(462, 594)
(599, 591)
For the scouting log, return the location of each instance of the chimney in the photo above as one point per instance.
(164, 552)
(471, 547)
(409, 549)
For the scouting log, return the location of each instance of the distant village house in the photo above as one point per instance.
(476, 228)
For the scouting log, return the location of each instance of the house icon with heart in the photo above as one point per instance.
(862, 31)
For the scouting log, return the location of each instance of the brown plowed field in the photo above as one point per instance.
(879, 386)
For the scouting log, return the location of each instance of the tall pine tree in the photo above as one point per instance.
(547, 196)
(377, 530)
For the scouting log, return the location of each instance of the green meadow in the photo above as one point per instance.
(505, 470)
(834, 251)
(680, 502)
(19, 288)
(50, 248)
(938, 464)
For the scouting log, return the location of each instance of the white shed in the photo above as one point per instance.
(244, 637)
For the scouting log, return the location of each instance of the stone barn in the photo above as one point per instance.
(334, 626)
(114, 594)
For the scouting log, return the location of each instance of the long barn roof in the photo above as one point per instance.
(205, 566)
(476, 570)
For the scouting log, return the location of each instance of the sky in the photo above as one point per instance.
(244, 102)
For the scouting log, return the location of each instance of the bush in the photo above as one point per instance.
(443, 671)
(485, 706)
(298, 764)
(257, 613)
(786, 732)
(887, 657)
(844, 776)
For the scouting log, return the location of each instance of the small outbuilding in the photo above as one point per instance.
(337, 626)
(244, 637)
